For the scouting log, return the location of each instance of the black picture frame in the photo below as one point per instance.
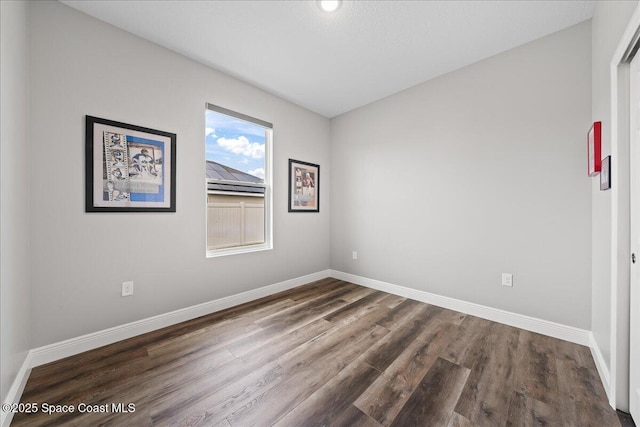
(128, 168)
(304, 186)
(605, 174)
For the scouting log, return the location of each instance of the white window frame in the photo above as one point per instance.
(267, 185)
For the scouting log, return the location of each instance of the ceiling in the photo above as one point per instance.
(331, 63)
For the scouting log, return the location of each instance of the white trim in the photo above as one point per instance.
(545, 327)
(16, 389)
(601, 365)
(627, 38)
(70, 347)
(235, 250)
(611, 389)
(56, 351)
(234, 193)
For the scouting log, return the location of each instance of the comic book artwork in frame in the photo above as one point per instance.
(304, 186)
(129, 168)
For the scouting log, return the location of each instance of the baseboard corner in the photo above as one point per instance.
(16, 389)
(602, 368)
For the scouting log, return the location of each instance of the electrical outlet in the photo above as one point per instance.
(507, 279)
(127, 289)
(354, 254)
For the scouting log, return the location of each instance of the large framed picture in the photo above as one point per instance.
(304, 186)
(129, 168)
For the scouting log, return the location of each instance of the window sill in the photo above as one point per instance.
(215, 253)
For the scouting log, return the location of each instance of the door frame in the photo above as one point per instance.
(618, 387)
(634, 196)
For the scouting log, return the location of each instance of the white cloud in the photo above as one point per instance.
(257, 172)
(244, 161)
(210, 132)
(242, 145)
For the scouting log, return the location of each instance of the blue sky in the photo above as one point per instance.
(235, 143)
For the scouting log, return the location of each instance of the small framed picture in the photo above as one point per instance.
(593, 149)
(304, 186)
(605, 174)
(129, 168)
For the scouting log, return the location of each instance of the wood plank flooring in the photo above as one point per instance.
(329, 353)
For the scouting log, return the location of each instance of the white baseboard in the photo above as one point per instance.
(70, 347)
(601, 366)
(16, 389)
(545, 327)
(56, 351)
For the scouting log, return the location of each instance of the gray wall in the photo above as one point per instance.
(441, 187)
(609, 22)
(15, 291)
(81, 66)
(446, 185)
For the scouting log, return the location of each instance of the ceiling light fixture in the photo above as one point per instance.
(329, 5)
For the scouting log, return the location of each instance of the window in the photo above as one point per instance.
(238, 167)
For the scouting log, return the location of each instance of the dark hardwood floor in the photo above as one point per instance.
(329, 353)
